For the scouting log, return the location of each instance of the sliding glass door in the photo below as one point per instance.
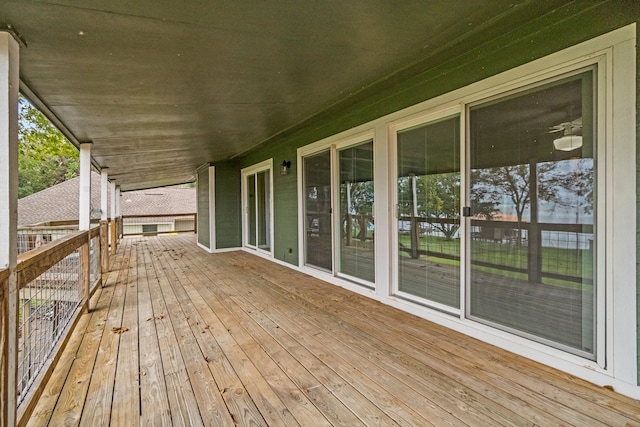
(340, 240)
(257, 207)
(317, 211)
(428, 212)
(532, 197)
(356, 229)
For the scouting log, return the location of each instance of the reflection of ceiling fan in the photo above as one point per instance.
(571, 138)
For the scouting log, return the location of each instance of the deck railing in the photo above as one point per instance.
(151, 225)
(33, 237)
(54, 285)
(506, 246)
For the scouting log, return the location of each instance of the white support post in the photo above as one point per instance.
(118, 212)
(104, 193)
(117, 202)
(113, 200)
(9, 92)
(85, 187)
(104, 226)
(113, 235)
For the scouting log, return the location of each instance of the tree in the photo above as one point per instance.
(574, 180)
(361, 196)
(438, 200)
(443, 202)
(45, 156)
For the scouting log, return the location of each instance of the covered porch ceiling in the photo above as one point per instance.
(161, 87)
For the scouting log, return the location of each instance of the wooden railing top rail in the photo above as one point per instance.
(33, 263)
(48, 227)
(4, 274)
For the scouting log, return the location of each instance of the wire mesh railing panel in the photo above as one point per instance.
(569, 254)
(34, 237)
(46, 305)
(94, 262)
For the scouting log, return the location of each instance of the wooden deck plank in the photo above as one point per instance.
(125, 406)
(66, 391)
(233, 339)
(182, 401)
(561, 405)
(100, 394)
(154, 402)
(347, 343)
(271, 337)
(47, 402)
(69, 407)
(503, 370)
(211, 405)
(240, 405)
(295, 396)
(266, 399)
(470, 372)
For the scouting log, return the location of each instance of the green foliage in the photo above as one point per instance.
(437, 197)
(45, 156)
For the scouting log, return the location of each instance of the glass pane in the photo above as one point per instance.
(264, 210)
(429, 211)
(532, 194)
(251, 204)
(356, 212)
(317, 187)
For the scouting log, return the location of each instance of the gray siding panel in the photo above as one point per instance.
(203, 208)
(228, 206)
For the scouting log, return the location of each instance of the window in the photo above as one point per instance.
(533, 201)
(428, 189)
(149, 228)
(357, 225)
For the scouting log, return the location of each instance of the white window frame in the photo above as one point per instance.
(423, 118)
(335, 190)
(244, 173)
(598, 64)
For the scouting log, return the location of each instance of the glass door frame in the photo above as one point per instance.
(333, 148)
(266, 165)
(303, 210)
(345, 144)
(602, 335)
(424, 118)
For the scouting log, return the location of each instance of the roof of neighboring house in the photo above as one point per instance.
(60, 202)
(159, 201)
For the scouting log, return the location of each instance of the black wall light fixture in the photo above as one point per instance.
(284, 167)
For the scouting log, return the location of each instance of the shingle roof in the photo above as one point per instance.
(159, 201)
(60, 202)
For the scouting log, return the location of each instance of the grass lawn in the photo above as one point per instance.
(568, 262)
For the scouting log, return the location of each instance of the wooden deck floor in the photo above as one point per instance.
(185, 338)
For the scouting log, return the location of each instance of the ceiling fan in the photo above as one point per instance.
(571, 138)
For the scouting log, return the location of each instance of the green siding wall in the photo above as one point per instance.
(285, 199)
(228, 207)
(203, 208)
(638, 196)
(490, 49)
